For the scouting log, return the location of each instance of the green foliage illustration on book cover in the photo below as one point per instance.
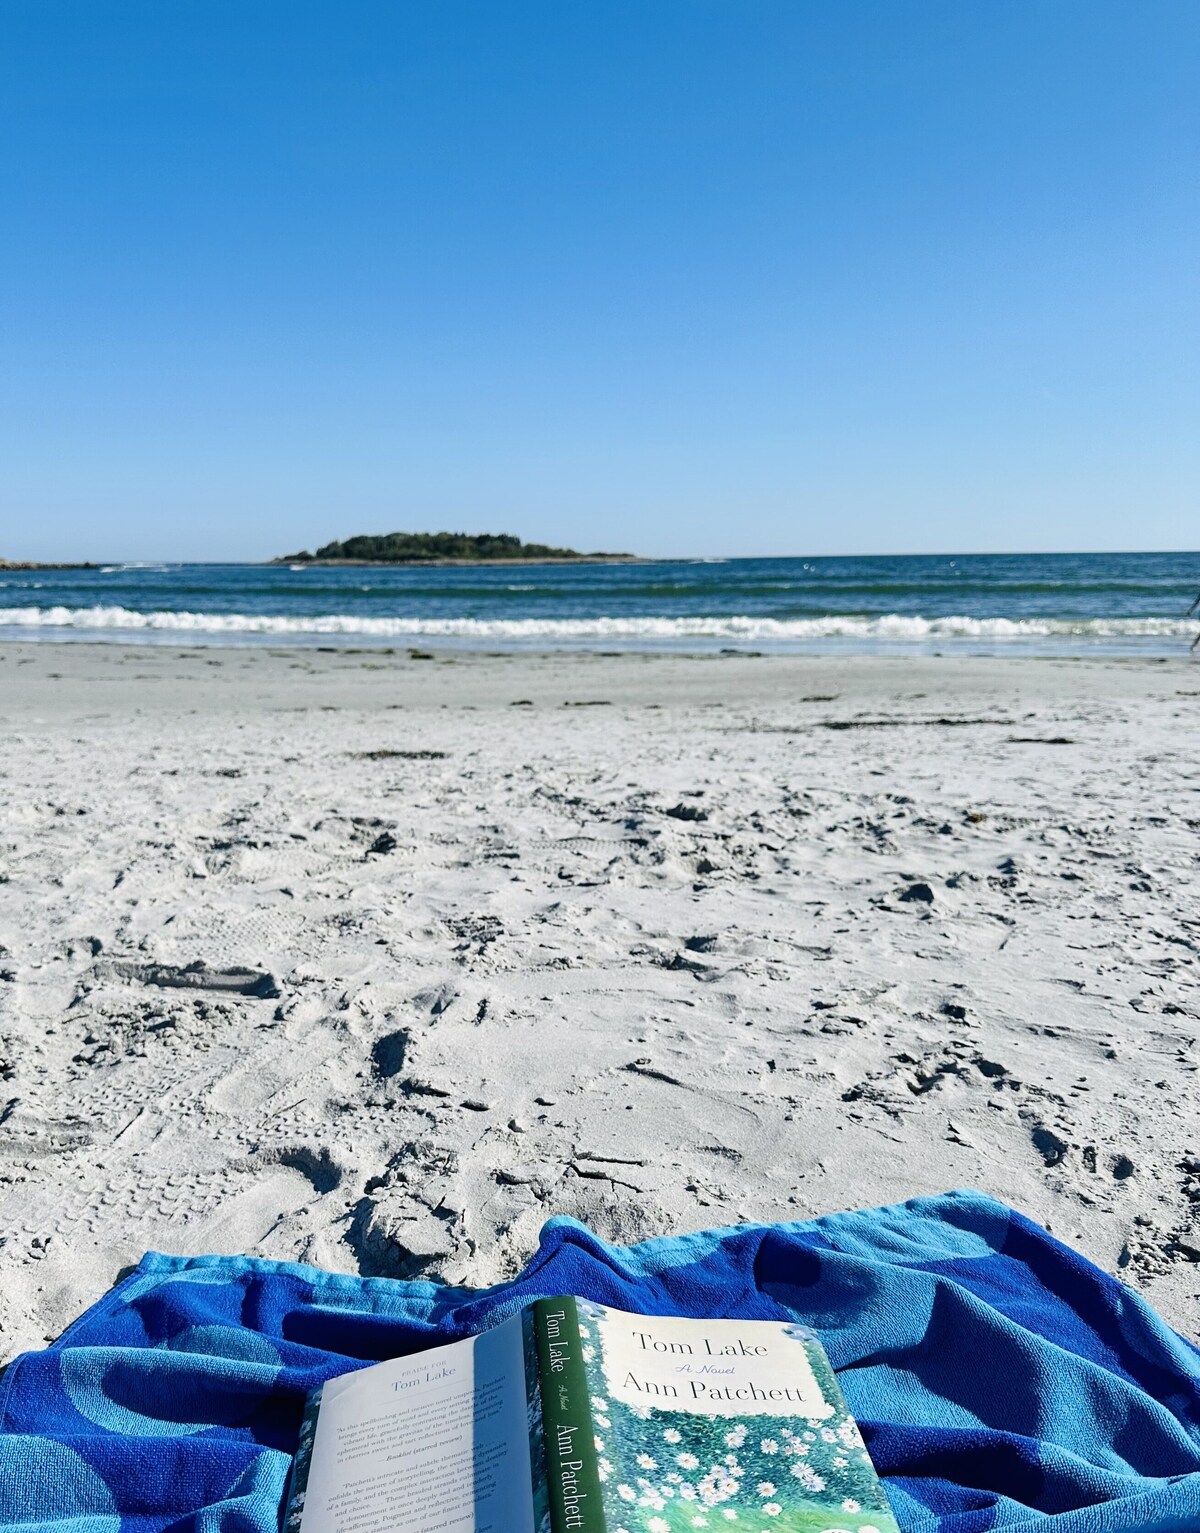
(675, 1471)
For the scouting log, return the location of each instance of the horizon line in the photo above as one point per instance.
(282, 561)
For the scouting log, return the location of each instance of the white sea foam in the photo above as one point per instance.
(891, 628)
(135, 564)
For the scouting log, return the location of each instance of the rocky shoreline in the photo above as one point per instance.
(28, 565)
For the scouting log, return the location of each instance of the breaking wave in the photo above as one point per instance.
(893, 628)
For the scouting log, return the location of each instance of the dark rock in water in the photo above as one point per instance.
(687, 812)
(383, 844)
(919, 892)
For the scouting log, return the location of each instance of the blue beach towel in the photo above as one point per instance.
(1000, 1380)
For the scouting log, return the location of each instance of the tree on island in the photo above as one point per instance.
(432, 547)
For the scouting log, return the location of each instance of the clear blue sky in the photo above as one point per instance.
(678, 276)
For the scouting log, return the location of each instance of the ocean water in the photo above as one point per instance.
(994, 603)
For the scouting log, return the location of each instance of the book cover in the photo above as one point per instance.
(575, 1417)
(722, 1424)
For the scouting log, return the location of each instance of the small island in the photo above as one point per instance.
(444, 548)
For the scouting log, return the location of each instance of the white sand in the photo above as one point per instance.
(511, 983)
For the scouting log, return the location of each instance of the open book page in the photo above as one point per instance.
(722, 1424)
(439, 1442)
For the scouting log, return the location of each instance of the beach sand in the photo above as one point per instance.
(376, 960)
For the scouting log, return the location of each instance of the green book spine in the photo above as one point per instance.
(572, 1471)
(298, 1479)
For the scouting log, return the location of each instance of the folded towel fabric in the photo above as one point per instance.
(1000, 1380)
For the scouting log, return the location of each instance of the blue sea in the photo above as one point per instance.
(993, 603)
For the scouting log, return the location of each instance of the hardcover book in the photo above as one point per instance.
(574, 1417)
